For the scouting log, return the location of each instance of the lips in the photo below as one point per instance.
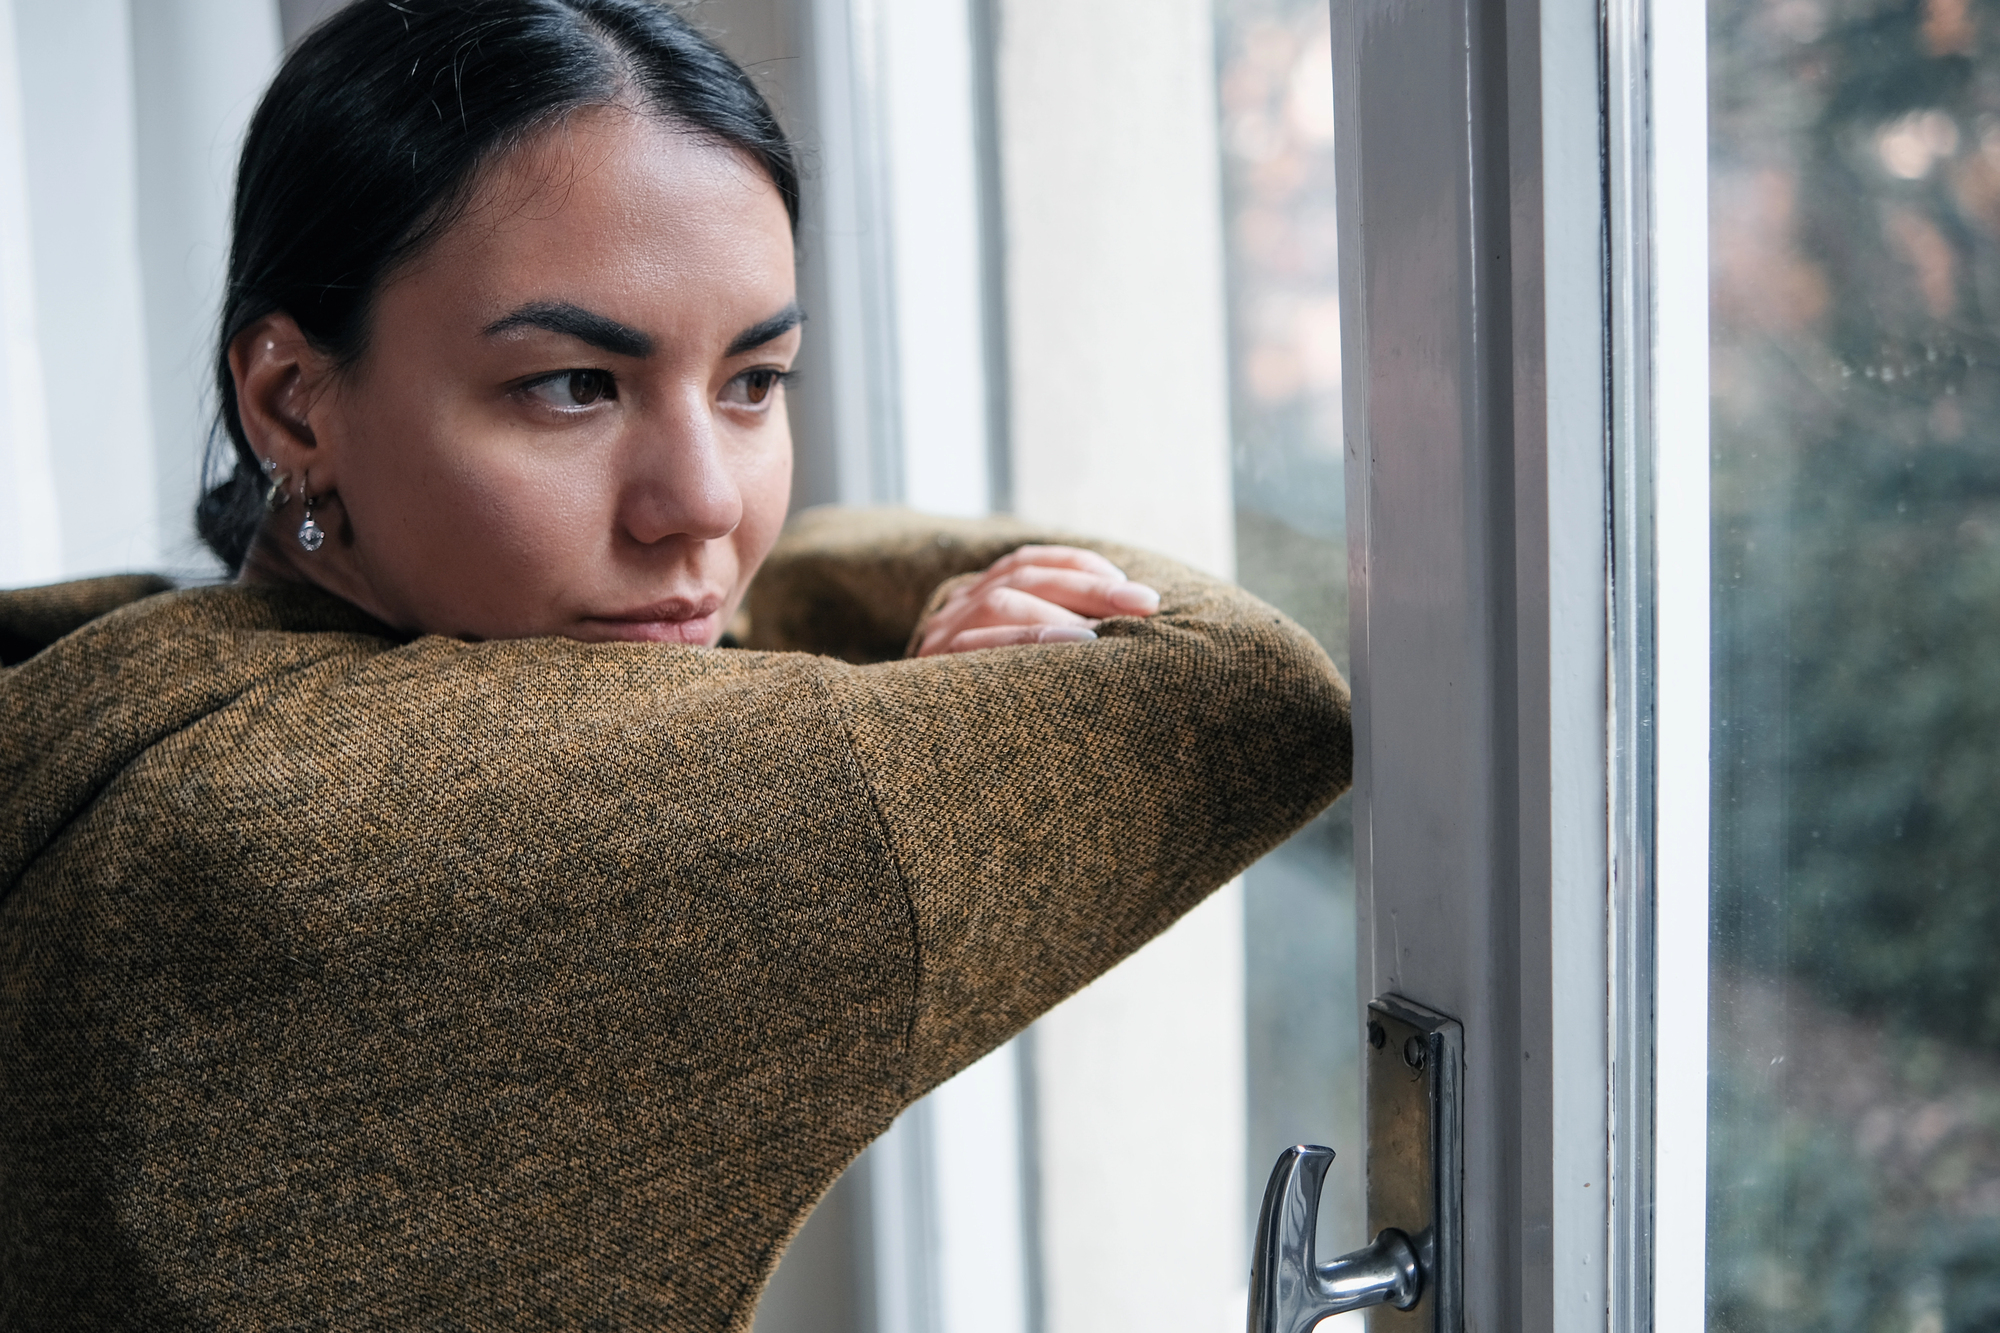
(675, 620)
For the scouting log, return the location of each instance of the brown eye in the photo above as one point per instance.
(575, 388)
(753, 388)
(587, 386)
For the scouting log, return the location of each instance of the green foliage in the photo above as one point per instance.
(1856, 225)
(1809, 1237)
(1857, 447)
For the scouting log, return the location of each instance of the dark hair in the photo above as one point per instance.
(370, 139)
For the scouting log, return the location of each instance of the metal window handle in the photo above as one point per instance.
(1289, 1291)
(1413, 1273)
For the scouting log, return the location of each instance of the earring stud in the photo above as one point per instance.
(277, 497)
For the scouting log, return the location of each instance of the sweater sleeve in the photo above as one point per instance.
(33, 618)
(1050, 808)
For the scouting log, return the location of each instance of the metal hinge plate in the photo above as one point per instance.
(1416, 1159)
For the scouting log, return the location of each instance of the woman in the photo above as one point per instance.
(433, 928)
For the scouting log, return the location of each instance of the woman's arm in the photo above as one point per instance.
(1051, 808)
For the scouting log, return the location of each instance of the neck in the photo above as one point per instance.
(270, 563)
(276, 559)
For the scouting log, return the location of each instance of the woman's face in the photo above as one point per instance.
(570, 416)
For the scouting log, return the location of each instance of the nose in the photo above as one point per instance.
(679, 482)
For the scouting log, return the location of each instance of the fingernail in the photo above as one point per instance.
(1065, 634)
(1134, 599)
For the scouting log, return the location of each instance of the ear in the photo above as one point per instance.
(281, 391)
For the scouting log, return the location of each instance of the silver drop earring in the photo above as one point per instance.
(311, 534)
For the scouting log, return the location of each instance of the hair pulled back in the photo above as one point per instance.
(369, 141)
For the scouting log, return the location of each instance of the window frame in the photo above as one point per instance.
(1502, 355)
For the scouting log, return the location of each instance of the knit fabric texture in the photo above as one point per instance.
(354, 981)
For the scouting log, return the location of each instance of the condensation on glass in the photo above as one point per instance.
(1854, 1140)
(1275, 84)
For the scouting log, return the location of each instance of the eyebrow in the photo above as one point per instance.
(573, 321)
(777, 326)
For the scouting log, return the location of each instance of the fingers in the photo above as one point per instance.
(1061, 557)
(1077, 580)
(1005, 636)
(996, 608)
(999, 609)
(1086, 593)
(1036, 594)
(1008, 606)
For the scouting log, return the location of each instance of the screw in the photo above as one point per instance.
(1413, 1052)
(1376, 1036)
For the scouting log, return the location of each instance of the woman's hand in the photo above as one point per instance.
(1037, 594)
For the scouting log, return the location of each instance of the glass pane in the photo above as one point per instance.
(1854, 1137)
(1276, 87)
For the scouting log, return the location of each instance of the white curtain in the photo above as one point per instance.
(119, 125)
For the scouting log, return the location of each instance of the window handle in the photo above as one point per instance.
(1414, 1058)
(1289, 1291)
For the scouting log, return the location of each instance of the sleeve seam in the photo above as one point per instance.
(893, 854)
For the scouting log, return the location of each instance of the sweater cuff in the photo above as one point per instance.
(937, 599)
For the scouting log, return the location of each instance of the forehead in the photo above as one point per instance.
(615, 202)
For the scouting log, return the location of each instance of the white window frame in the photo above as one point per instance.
(1678, 98)
(1656, 107)
(1523, 235)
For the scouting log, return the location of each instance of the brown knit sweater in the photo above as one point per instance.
(349, 981)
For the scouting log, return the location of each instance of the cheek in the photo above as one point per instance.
(767, 495)
(534, 520)
(451, 500)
